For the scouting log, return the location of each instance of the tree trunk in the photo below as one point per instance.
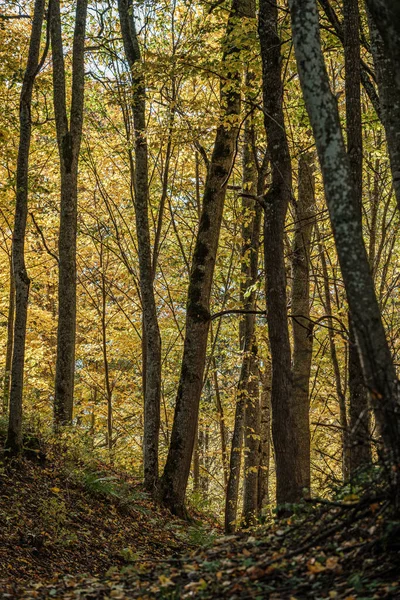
(177, 468)
(389, 101)
(221, 420)
(365, 69)
(335, 363)
(69, 136)
(302, 327)
(288, 471)
(139, 177)
(247, 405)
(386, 15)
(265, 441)
(10, 340)
(360, 452)
(378, 368)
(14, 436)
(252, 430)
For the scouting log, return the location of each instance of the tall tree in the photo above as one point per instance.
(302, 326)
(289, 486)
(177, 468)
(139, 181)
(69, 134)
(359, 450)
(377, 363)
(247, 395)
(22, 282)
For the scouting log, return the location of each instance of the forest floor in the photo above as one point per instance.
(72, 532)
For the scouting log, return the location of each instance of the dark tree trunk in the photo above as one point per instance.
(139, 175)
(288, 471)
(377, 363)
(389, 101)
(386, 15)
(365, 70)
(247, 401)
(302, 327)
(359, 445)
(177, 468)
(252, 430)
(69, 136)
(335, 362)
(14, 436)
(265, 441)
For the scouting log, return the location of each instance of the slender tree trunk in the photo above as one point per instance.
(289, 484)
(222, 426)
(389, 101)
(335, 363)
(250, 251)
(365, 69)
(302, 327)
(103, 318)
(139, 175)
(177, 468)
(360, 451)
(14, 436)
(377, 363)
(196, 464)
(69, 134)
(252, 430)
(10, 340)
(265, 441)
(247, 405)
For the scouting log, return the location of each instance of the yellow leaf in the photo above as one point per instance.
(56, 490)
(315, 568)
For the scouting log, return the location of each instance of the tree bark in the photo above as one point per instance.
(265, 441)
(302, 327)
(386, 15)
(378, 368)
(22, 282)
(177, 468)
(360, 451)
(288, 471)
(247, 401)
(139, 177)
(365, 70)
(389, 101)
(69, 134)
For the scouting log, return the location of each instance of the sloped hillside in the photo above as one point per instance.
(60, 515)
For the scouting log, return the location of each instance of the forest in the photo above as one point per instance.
(200, 330)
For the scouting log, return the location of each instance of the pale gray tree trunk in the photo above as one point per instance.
(69, 134)
(14, 436)
(177, 468)
(377, 363)
(139, 175)
(302, 327)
